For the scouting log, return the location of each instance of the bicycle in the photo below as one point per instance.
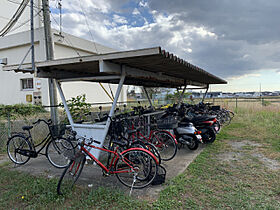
(21, 147)
(134, 167)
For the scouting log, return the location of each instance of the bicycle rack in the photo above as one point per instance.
(150, 67)
(96, 131)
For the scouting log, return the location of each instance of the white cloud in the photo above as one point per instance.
(119, 19)
(136, 12)
(143, 4)
(244, 76)
(190, 34)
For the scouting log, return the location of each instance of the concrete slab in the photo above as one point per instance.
(92, 175)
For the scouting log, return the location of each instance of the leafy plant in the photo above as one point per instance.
(78, 107)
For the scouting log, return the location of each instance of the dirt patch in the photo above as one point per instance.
(269, 163)
(245, 147)
(230, 156)
(238, 145)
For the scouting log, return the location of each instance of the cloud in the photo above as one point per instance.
(136, 12)
(226, 38)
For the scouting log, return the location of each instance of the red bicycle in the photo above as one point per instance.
(164, 141)
(134, 167)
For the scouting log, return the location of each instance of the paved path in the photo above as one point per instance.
(92, 175)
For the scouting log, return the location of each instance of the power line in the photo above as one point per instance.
(25, 22)
(88, 26)
(34, 5)
(14, 18)
(68, 41)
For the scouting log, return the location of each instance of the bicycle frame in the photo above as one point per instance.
(114, 158)
(45, 141)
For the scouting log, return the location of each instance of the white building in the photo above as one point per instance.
(24, 88)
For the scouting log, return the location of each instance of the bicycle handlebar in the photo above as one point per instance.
(49, 122)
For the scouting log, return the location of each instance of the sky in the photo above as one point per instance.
(238, 40)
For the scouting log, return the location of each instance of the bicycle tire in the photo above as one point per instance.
(16, 144)
(148, 146)
(70, 175)
(59, 152)
(165, 143)
(144, 165)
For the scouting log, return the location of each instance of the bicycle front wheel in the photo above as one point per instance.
(165, 143)
(59, 152)
(19, 149)
(70, 175)
(136, 168)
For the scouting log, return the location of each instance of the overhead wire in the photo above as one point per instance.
(15, 2)
(14, 18)
(86, 20)
(25, 22)
(68, 41)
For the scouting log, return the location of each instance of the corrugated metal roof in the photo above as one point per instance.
(148, 67)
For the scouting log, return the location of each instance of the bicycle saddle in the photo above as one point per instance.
(26, 128)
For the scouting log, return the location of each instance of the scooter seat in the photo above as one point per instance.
(203, 118)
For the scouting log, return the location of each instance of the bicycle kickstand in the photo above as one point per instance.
(134, 180)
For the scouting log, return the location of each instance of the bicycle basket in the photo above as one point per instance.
(160, 176)
(168, 122)
(57, 130)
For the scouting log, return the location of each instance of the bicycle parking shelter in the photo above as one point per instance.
(150, 67)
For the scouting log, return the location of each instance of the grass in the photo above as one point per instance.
(226, 175)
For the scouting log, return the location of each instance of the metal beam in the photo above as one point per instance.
(181, 96)
(205, 93)
(97, 78)
(148, 97)
(69, 116)
(108, 122)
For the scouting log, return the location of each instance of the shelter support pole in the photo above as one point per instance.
(182, 95)
(148, 97)
(114, 102)
(65, 104)
(207, 88)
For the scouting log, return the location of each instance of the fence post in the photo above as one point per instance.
(236, 103)
(9, 124)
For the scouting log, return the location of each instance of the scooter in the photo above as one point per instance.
(184, 131)
(187, 134)
(205, 124)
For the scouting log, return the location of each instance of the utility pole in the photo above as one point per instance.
(50, 56)
(32, 35)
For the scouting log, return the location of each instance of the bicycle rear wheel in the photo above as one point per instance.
(59, 152)
(18, 149)
(165, 143)
(136, 168)
(148, 146)
(70, 175)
